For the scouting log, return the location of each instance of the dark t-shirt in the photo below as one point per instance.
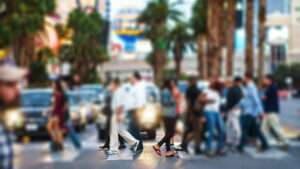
(271, 102)
(191, 95)
(234, 96)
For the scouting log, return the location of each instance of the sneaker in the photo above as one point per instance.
(135, 146)
(285, 147)
(112, 152)
(104, 147)
(221, 152)
(263, 149)
(198, 151)
(122, 146)
(210, 154)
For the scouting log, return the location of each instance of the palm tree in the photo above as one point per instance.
(262, 21)
(214, 41)
(155, 17)
(249, 37)
(230, 36)
(199, 24)
(179, 38)
(78, 3)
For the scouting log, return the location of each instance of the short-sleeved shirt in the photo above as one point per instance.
(215, 96)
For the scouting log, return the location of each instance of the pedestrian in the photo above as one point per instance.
(56, 121)
(117, 121)
(71, 133)
(211, 98)
(194, 117)
(108, 113)
(251, 114)
(140, 100)
(233, 99)
(272, 108)
(169, 116)
(9, 90)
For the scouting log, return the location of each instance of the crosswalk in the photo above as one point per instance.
(70, 154)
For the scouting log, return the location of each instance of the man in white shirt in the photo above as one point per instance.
(117, 121)
(139, 96)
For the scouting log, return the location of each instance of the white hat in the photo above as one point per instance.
(11, 73)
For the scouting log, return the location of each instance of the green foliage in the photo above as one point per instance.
(21, 18)
(284, 71)
(179, 37)
(155, 17)
(38, 73)
(86, 46)
(199, 17)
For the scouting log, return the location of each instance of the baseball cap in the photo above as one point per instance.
(11, 73)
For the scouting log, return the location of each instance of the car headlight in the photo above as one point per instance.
(83, 111)
(14, 119)
(74, 115)
(149, 115)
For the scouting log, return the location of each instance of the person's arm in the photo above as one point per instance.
(256, 99)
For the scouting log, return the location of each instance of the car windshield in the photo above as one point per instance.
(36, 99)
(97, 89)
(78, 98)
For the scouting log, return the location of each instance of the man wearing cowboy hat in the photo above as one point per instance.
(10, 75)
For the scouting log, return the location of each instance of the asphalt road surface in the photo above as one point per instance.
(36, 155)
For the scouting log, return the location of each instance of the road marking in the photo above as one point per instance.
(185, 156)
(68, 155)
(270, 154)
(122, 155)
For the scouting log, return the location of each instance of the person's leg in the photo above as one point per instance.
(197, 134)
(210, 127)
(188, 133)
(266, 126)
(107, 131)
(259, 134)
(73, 135)
(114, 139)
(126, 135)
(236, 129)
(275, 125)
(245, 124)
(134, 128)
(221, 130)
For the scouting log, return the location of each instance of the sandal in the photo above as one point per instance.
(157, 150)
(173, 154)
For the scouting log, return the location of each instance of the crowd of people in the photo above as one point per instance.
(231, 113)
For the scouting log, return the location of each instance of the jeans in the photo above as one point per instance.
(214, 122)
(250, 124)
(73, 135)
(133, 128)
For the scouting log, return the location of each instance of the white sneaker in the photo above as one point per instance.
(112, 152)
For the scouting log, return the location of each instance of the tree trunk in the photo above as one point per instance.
(158, 65)
(262, 20)
(230, 37)
(24, 51)
(78, 3)
(249, 37)
(214, 40)
(178, 59)
(202, 59)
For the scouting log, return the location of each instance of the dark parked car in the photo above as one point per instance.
(31, 118)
